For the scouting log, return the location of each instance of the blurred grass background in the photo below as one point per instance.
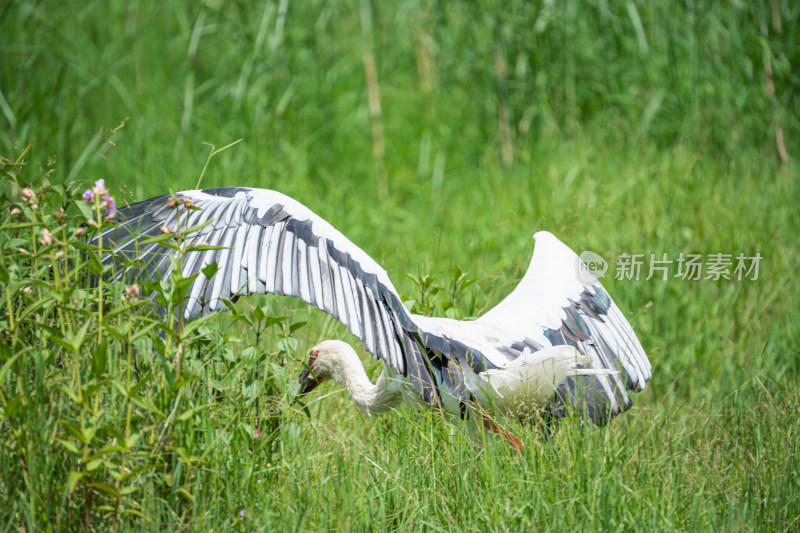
(436, 134)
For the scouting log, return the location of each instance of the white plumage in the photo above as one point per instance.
(555, 341)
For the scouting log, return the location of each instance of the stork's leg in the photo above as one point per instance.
(494, 428)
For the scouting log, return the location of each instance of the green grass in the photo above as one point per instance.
(631, 128)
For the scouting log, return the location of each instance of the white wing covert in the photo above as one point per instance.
(271, 244)
(555, 304)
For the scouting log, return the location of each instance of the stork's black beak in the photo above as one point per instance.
(307, 382)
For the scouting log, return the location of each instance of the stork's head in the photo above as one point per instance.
(324, 360)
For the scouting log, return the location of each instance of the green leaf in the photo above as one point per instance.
(210, 269)
(205, 248)
(229, 355)
(187, 456)
(134, 512)
(95, 266)
(89, 433)
(121, 387)
(139, 470)
(183, 284)
(77, 340)
(71, 393)
(4, 370)
(74, 477)
(85, 209)
(12, 407)
(197, 227)
(172, 245)
(413, 277)
(156, 239)
(141, 383)
(61, 341)
(453, 312)
(69, 445)
(105, 488)
(288, 345)
(147, 405)
(92, 465)
(144, 331)
(16, 243)
(229, 304)
(241, 318)
(191, 412)
(185, 379)
(279, 371)
(131, 441)
(467, 282)
(118, 333)
(271, 321)
(100, 358)
(5, 352)
(91, 389)
(198, 324)
(250, 354)
(297, 325)
(252, 388)
(107, 451)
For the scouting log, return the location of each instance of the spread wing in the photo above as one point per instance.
(557, 303)
(270, 243)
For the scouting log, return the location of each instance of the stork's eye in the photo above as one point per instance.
(312, 357)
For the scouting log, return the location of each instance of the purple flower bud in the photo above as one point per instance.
(88, 197)
(99, 188)
(111, 205)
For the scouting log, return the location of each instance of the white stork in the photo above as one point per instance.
(555, 341)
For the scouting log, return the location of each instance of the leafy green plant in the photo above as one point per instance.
(100, 389)
(434, 296)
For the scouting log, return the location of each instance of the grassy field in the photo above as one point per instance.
(433, 135)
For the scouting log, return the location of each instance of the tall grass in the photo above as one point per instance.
(623, 128)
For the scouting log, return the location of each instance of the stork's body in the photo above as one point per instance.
(558, 339)
(523, 385)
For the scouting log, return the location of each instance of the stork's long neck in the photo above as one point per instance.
(372, 399)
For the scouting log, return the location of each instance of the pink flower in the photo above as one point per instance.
(29, 197)
(99, 190)
(47, 237)
(111, 205)
(131, 293)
